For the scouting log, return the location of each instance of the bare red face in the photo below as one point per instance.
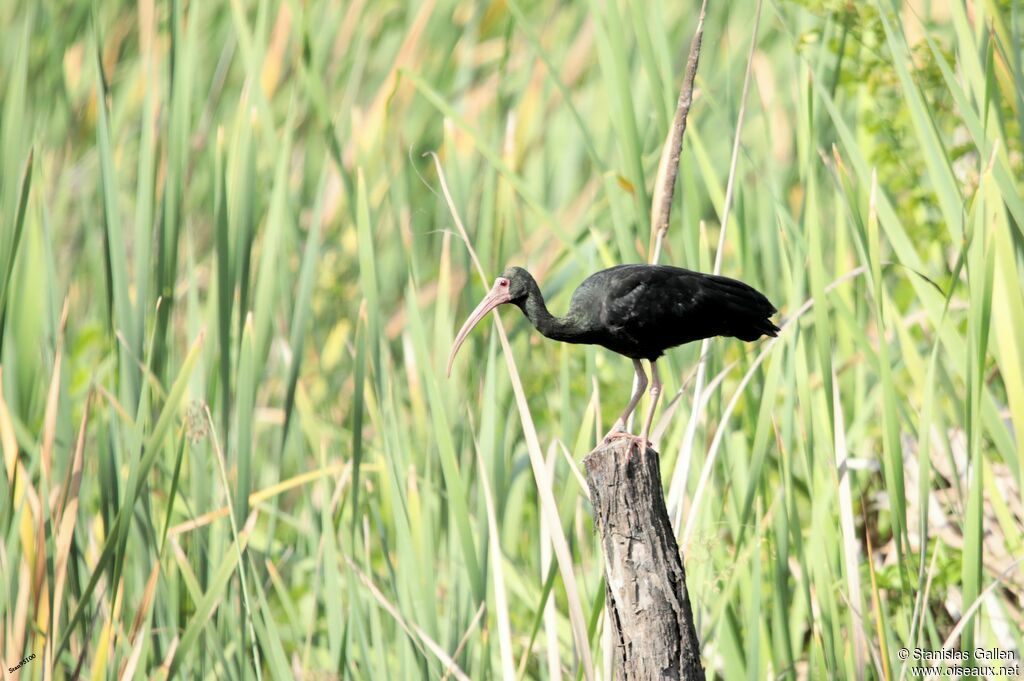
(496, 296)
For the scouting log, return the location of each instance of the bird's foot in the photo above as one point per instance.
(619, 433)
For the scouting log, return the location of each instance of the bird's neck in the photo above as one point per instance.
(556, 328)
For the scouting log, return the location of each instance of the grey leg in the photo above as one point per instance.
(641, 385)
(655, 394)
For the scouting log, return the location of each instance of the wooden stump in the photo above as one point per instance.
(645, 592)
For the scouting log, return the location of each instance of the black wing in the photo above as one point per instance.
(647, 309)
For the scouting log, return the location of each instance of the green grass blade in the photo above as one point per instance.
(245, 421)
(14, 241)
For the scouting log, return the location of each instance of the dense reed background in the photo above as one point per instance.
(229, 281)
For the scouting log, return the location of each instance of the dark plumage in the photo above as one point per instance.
(642, 310)
(638, 311)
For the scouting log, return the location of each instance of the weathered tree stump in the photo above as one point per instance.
(645, 592)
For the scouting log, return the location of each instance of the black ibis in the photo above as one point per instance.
(639, 311)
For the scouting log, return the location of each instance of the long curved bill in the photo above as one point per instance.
(495, 297)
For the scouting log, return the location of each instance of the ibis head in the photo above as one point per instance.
(511, 286)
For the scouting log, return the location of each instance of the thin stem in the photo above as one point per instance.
(257, 665)
(661, 210)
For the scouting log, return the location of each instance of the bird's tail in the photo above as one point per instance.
(755, 328)
(749, 311)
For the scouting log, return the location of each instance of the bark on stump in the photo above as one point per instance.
(645, 583)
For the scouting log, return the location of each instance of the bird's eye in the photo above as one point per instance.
(504, 282)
